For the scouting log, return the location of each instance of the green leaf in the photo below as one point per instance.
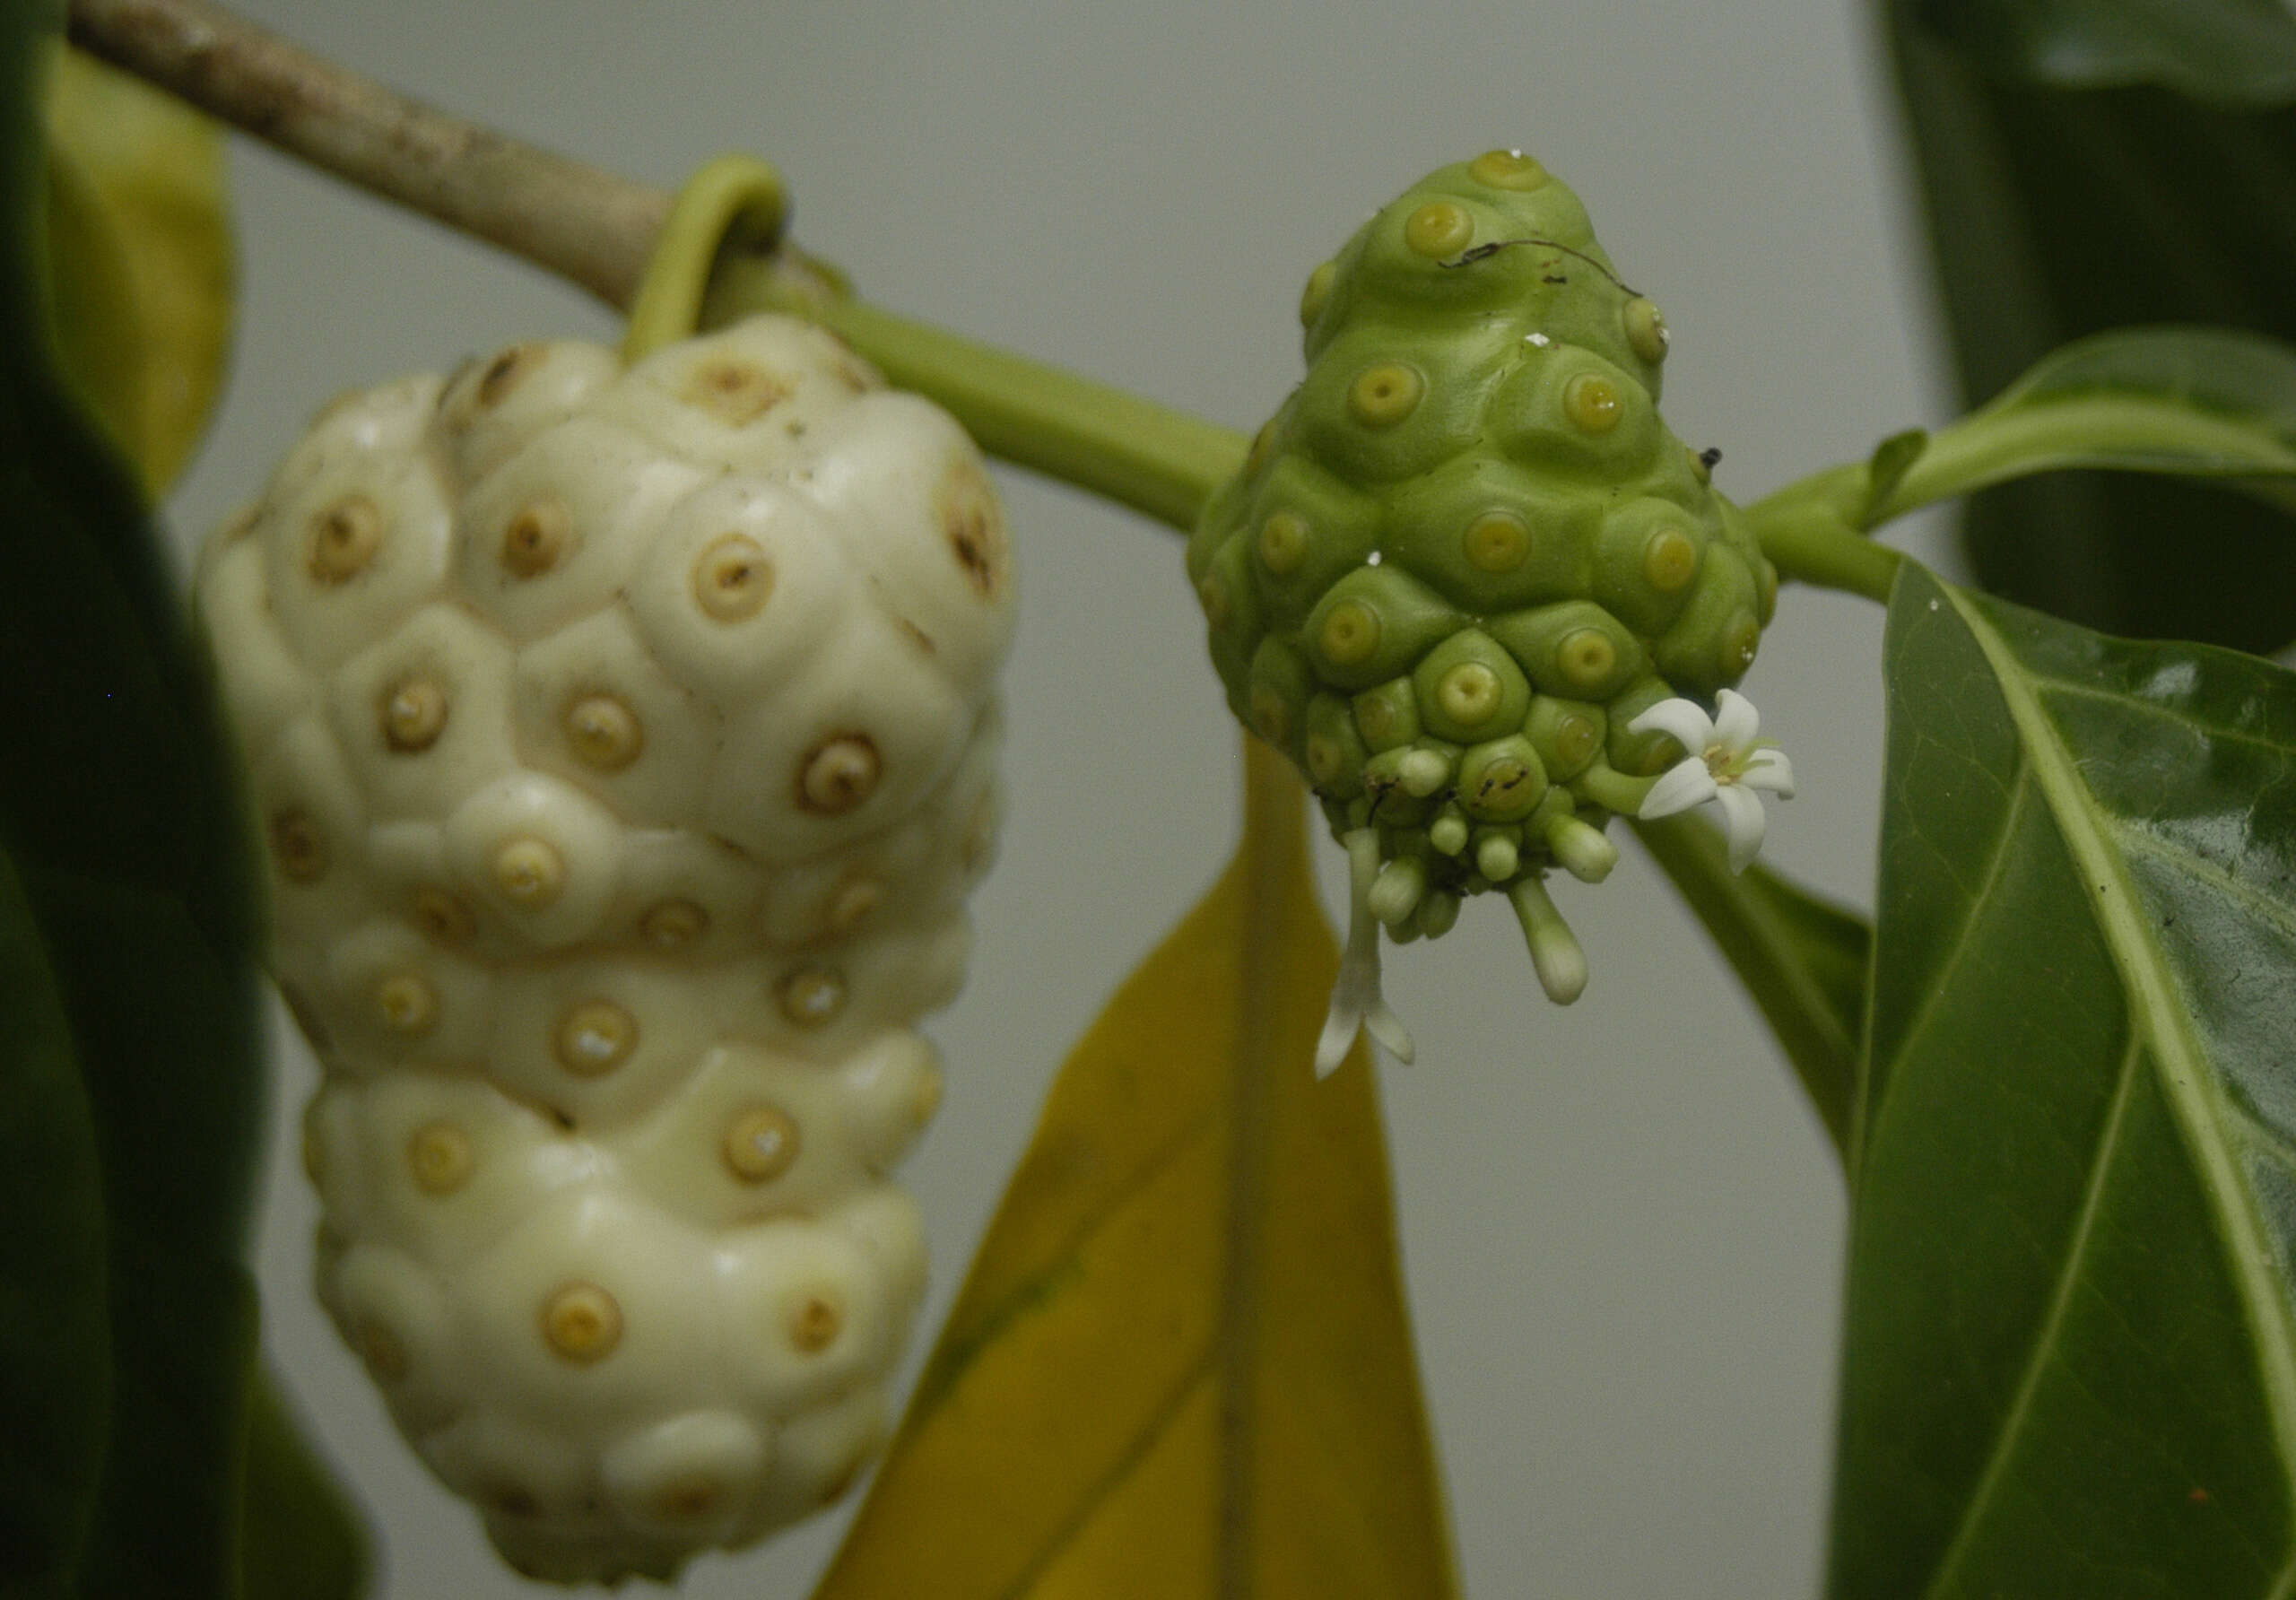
(53, 1341)
(139, 260)
(2055, 212)
(1180, 1366)
(2070, 1358)
(2233, 52)
(1801, 959)
(303, 1539)
(117, 806)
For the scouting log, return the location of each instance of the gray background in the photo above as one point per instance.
(1621, 1225)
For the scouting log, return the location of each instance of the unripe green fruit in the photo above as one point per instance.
(1467, 552)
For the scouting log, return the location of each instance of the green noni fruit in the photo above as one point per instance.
(1468, 553)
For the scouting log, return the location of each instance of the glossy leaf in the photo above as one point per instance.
(303, 1539)
(2055, 212)
(2070, 1365)
(53, 1388)
(117, 805)
(139, 256)
(1180, 1366)
(2235, 52)
(1801, 959)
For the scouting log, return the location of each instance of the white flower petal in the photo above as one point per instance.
(1681, 719)
(1338, 1037)
(1736, 722)
(1682, 786)
(1744, 821)
(1386, 1027)
(1770, 769)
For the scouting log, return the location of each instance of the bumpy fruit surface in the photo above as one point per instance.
(622, 743)
(1467, 552)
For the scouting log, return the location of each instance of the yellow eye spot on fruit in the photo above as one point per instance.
(603, 731)
(1497, 542)
(817, 1323)
(1507, 169)
(438, 1158)
(837, 774)
(1575, 738)
(733, 579)
(1383, 396)
(442, 917)
(413, 714)
(736, 393)
(384, 1355)
(298, 845)
(344, 538)
(1469, 693)
(851, 902)
(407, 1002)
(1324, 757)
(595, 1036)
(1350, 633)
(760, 1143)
(1669, 560)
(1592, 403)
(1212, 595)
(1378, 719)
(672, 924)
(1586, 657)
(810, 996)
(1317, 294)
(1740, 641)
(1646, 329)
(1283, 542)
(1270, 717)
(530, 873)
(536, 539)
(581, 1323)
(1438, 228)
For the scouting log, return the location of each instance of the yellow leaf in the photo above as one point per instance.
(1181, 1366)
(139, 253)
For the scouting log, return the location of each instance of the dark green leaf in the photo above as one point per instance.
(2235, 52)
(1801, 959)
(2055, 212)
(303, 1540)
(117, 805)
(2070, 1363)
(53, 1344)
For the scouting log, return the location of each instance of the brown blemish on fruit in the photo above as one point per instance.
(384, 1355)
(581, 1323)
(536, 539)
(298, 845)
(917, 636)
(344, 537)
(837, 774)
(974, 525)
(503, 373)
(736, 393)
(734, 578)
(604, 733)
(684, 1498)
(760, 1143)
(439, 1157)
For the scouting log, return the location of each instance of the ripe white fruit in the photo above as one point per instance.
(622, 743)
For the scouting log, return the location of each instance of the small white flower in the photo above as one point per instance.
(1355, 999)
(1724, 765)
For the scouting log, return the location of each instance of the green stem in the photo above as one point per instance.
(1156, 460)
(1811, 530)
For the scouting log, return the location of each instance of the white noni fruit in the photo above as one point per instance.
(623, 742)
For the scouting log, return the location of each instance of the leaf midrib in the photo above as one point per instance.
(2185, 1074)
